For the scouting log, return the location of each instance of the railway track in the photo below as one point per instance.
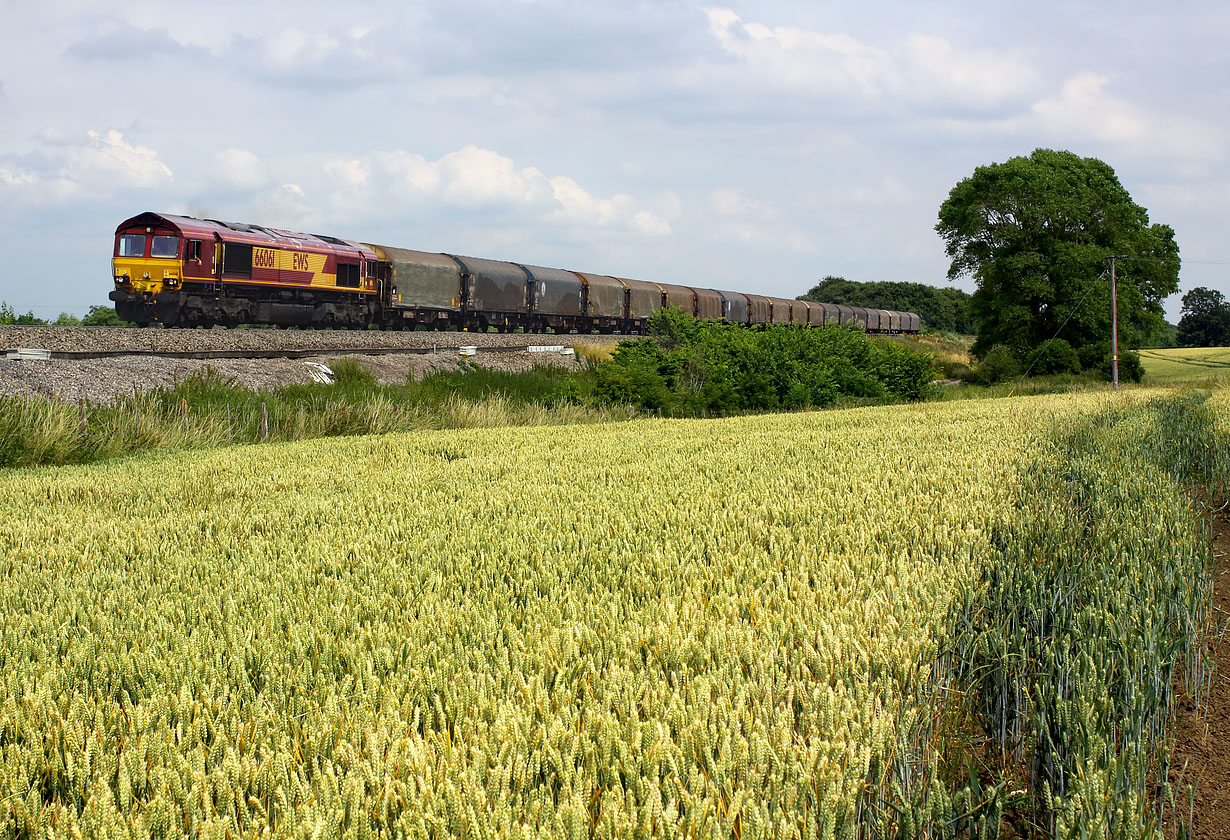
(26, 354)
(84, 343)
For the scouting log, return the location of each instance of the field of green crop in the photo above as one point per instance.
(646, 629)
(1179, 365)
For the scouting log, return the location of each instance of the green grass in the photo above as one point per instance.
(1186, 365)
(546, 384)
(209, 410)
(1031, 386)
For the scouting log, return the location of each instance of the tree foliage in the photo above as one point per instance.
(945, 310)
(1206, 319)
(8, 317)
(104, 316)
(1035, 233)
(98, 316)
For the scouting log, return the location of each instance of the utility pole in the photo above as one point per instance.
(1114, 324)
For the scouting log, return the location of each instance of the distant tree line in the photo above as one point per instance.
(1206, 319)
(943, 310)
(98, 316)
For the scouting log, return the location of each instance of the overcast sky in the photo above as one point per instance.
(751, 146)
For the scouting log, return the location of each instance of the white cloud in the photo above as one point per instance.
(472, 177)
(116, 40)
(481, 179)
(797, 57)
(918, 69)
(97, 166)
(751, 221)
(985, 76)
(1085, 109)
(108, 160)
(322, 58)
(292, 48)
(349, 175)
(240, 169)
(887, 191)
(23, 187)
(726, 201)
(287, 206)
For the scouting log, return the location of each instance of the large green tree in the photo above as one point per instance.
(1035, 233)
(1206, 319)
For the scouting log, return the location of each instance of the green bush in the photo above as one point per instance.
(998, 365)
(693, 366)
(1056, 356)
(953, 369)
(1130, 367)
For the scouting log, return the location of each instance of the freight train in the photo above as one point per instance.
(179, 271)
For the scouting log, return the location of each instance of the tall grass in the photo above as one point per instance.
(208, 410)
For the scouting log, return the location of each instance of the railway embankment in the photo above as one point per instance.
(160, 358)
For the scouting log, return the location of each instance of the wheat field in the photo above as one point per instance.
(654, 628)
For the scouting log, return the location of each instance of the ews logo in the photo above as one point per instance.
(269, 258)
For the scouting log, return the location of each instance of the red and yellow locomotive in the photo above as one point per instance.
(180, 271)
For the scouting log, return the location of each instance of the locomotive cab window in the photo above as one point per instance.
(348, 275)
(131, 245)
(237, 260)
(165, 247)
(194, 250)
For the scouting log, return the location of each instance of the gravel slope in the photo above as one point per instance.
(102, 380)
(115, 338)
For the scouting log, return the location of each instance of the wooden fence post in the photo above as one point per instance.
(85, 423)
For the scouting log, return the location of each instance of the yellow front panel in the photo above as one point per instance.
(147, 275)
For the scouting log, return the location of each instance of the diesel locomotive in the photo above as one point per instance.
(179, 271)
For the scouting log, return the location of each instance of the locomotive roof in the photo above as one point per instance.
(240, 232)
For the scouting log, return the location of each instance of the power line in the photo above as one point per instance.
(1038, 355)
